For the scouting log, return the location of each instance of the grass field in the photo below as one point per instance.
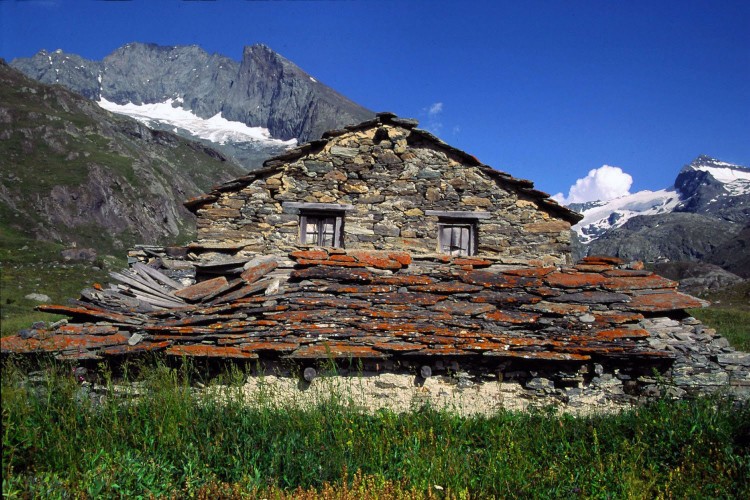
(729, 314)
(59, 441)
(28, 266)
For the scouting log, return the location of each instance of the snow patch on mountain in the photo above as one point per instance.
(601, 216)
(736, 182)
(215, 129)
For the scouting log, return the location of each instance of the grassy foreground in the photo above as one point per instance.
(28, 266)
(59, 441)
(729, 314)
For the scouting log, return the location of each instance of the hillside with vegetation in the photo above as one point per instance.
(75, 175)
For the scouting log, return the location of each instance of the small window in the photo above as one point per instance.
(457, 231)
(457, 238)
(320, 224)
(321, 229)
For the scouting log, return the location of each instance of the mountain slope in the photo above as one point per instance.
(75, 173)
(263, 90)
(671, 236)
(733, 254)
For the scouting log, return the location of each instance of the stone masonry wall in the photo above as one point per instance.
(390, 175)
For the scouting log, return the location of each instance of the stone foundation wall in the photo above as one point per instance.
(390, 176)
(705, 364)
(591, 388)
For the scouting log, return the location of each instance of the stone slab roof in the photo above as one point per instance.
(329, 303)
(278, 162)
(589, 334)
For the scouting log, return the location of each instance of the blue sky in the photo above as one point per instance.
(543, 90)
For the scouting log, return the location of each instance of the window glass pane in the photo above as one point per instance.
(311, 236)
(444, 238)
(327, 232)
(459, 240)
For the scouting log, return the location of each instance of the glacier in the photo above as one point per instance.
(215, 129)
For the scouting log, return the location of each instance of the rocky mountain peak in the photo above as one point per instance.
(717, 168)
(263, 90)
(709, 185)
(705, 160)
(58, 67)
(140, 73)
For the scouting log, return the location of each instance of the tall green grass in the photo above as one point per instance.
(729, 314)
(59, 439)
(732, 323)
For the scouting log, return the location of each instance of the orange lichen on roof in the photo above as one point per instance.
(663, 301)
(210, 351)
(390, 307)
(574, 280)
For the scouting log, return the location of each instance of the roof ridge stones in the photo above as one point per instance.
(274, 164)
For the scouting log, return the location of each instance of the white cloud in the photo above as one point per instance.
(603, 183)
(433, 123)
(435, 109)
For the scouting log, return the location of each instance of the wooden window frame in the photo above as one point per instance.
(458, 218)
(471, 244)
(307, 211)
(319, 216)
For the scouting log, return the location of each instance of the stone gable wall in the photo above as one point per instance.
(391, 177)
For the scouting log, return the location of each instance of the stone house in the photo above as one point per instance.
(389, 252)
(383, 185)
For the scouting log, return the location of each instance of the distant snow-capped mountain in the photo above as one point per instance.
(705, 186)
(249, 110)
(687, 230)
(601, 216)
